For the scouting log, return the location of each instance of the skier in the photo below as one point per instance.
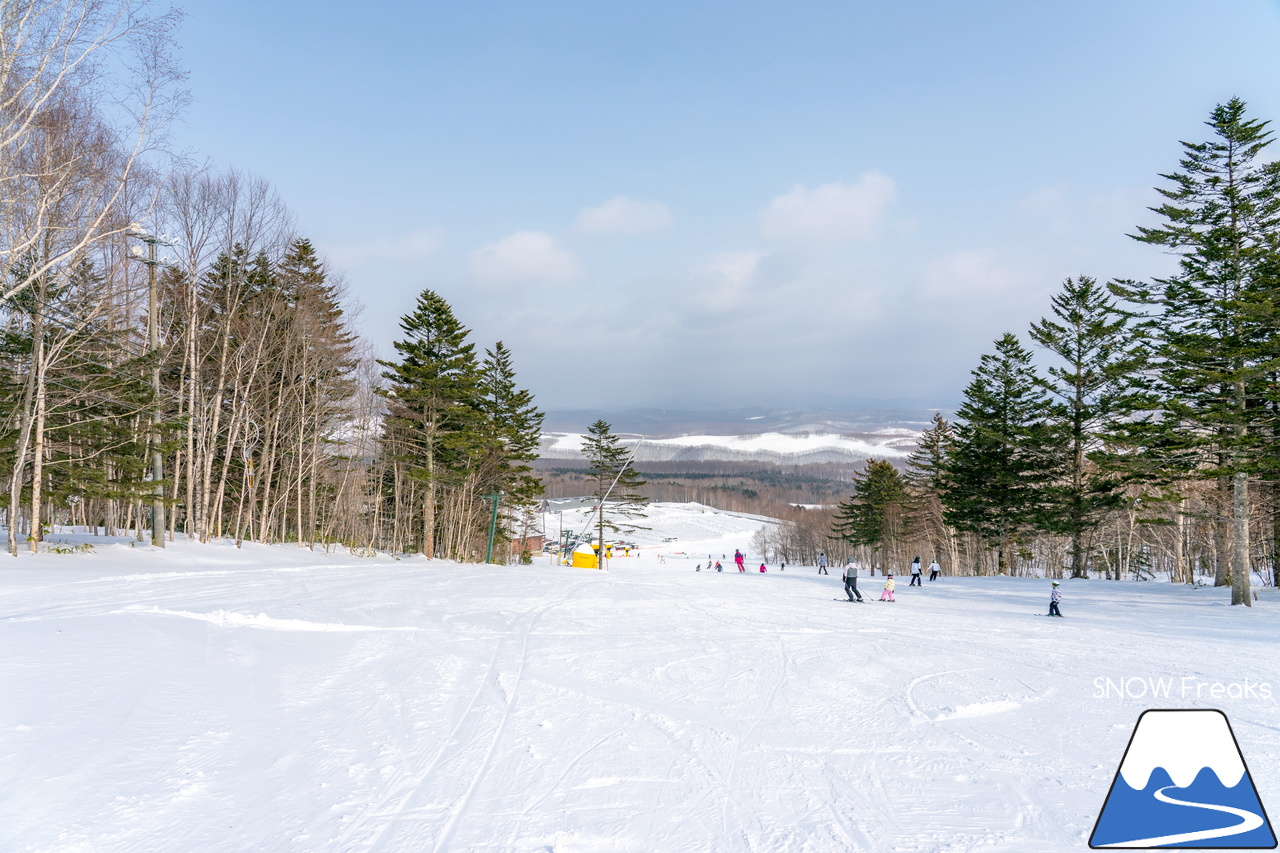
(934, 568)
(822, 562)
(739, 559)
(719, 568)
(887, 595)
(851, 583)
(1054, 598)
(915, 573)
(698, 567)
(762, 568)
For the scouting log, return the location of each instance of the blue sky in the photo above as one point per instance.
(718, 204)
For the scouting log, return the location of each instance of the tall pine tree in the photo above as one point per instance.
(431, 394)
(875, 514)
(1214, 322)
(996, 479)
(1091, 395)
(512, 431)
(617, 483)
(926, 477)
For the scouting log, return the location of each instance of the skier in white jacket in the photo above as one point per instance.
(1054, 598)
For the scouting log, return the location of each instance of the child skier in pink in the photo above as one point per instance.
(887, 595)
(762, 568)
(739, 559)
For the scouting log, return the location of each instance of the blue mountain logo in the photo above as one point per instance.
(1183, 783)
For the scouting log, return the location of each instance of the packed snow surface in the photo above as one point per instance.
(208, 698)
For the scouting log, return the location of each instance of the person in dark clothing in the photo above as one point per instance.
(934, 568)
(915, 573)
(1054, 598)
(822, 562)
(851, 583)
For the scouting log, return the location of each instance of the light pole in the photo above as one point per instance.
(153, 341)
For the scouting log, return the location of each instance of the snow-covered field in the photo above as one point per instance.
(797, 448)
(206, 698)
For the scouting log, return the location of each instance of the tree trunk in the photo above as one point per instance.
(1222, 554)
(1240, 571)
(18, 474)
(37, 464)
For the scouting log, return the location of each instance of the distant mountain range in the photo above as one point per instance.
(783, 437)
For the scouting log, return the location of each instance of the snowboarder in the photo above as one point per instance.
(915, 573)
(887, 595)
(1054, 598)
(762, 568)
(822, 562)
(851, 583)
(934, 568)
(739, 559)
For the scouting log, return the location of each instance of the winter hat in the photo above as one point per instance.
(890, 575)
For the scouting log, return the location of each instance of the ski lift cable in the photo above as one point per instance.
(600, 507)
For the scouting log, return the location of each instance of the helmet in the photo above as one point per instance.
(1055, 583)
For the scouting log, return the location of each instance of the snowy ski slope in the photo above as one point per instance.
(213, 699)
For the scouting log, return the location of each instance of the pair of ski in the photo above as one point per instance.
(847, 600)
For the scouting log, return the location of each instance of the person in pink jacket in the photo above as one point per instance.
(739, 559)
(887, 595)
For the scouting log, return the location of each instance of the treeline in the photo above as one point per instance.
(199, 375)
(1142, 435)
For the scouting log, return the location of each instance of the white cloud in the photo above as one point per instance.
(735, 268)
(725, 280)
(624, 215)
(411, 247)
(830, 213)
(524, 256)
(970, 274)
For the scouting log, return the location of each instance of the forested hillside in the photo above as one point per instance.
(177, 357)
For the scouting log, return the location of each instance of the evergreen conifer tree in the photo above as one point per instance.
(512, 430)
(431, 397)
(875, 514)
(996, 478)
(926, 477)
(1091, 393)
(617, 483)
(1214, 323)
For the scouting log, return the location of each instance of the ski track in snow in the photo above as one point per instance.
(280, 700)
